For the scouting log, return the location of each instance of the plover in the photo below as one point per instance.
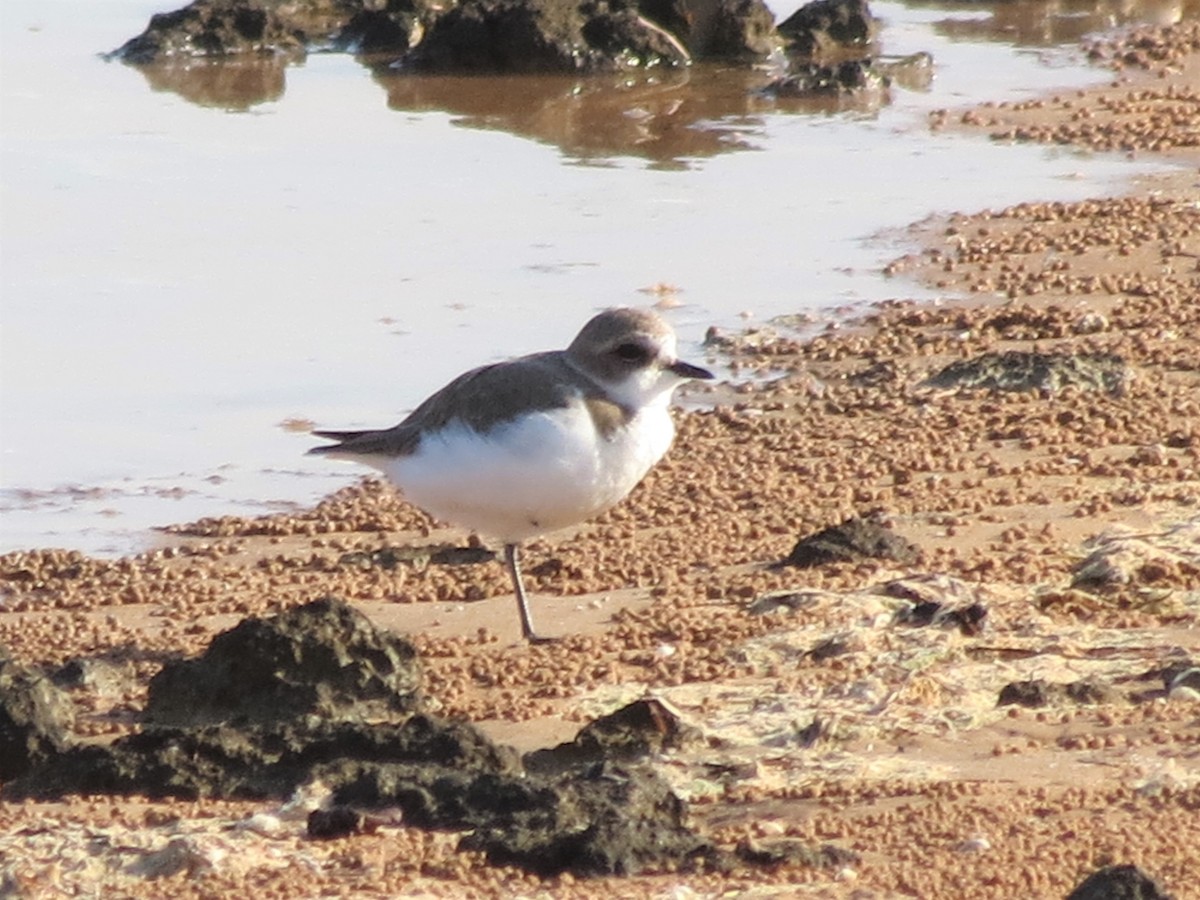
(521, 448)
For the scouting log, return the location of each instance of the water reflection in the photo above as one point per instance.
(1045, 23)
(234, 85)
(667, 118)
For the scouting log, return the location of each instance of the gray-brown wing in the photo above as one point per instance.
(481, 398)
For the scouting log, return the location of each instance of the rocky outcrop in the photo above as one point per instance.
(1120, 882)
(826, 28)
(810, 78)
(323, 660)
(1020, 370)
(851, 541)
(35, 718)
(472, 35)
(545, 35)
(208, 28)
(716, 29)
(829, 43)
(318, 695)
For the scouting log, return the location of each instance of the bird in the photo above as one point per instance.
(521, 448)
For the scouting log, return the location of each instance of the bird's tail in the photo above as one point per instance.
(361, 443)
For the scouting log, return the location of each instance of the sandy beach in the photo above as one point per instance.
(1002, 707)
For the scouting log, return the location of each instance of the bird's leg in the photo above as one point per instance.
(512, 557)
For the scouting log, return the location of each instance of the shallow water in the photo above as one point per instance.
(191, 259)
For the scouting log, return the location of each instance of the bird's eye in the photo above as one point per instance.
(630, 352)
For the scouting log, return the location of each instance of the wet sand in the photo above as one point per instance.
(1070, 513)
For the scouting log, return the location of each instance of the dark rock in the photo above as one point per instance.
(606, 820)
(225, 28)
(776, 854)
(100, 676)
(454, 555)
(634, 731)
(545, 36)
(920, 614)
(1016, 370)
(340, 821)
(323, 659)
(1177, 439)
(1033, 693)
(838, 645)
(740, 29)
(570, 813)
(939, 589)
(393, 26)
(597, 818)
(1037, 692)
(603, 819)
(877, 374)
(862, 78)
(852, 541)
(475, 35)
(1089, 691)
(789, 600)
(35, 718)
(851, 76)
(548, 568)
(261, 761)
(593, 35)
(968, 619)
(826, 26)
(811, 733)
(1124, 882)
(913, 72)
(214, 28)
(442, 797)
(716, 29)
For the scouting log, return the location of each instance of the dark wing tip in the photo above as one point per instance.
(398, 441)
(340, 436)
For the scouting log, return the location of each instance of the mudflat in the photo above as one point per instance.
(920, 599)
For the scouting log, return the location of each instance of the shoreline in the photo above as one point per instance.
(1070, 513)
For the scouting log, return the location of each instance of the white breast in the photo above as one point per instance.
(544, 471)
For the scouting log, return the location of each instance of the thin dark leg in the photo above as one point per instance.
(512, 557)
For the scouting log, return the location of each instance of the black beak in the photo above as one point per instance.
(687, 370)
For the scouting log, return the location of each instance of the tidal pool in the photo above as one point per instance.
(194, 257)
